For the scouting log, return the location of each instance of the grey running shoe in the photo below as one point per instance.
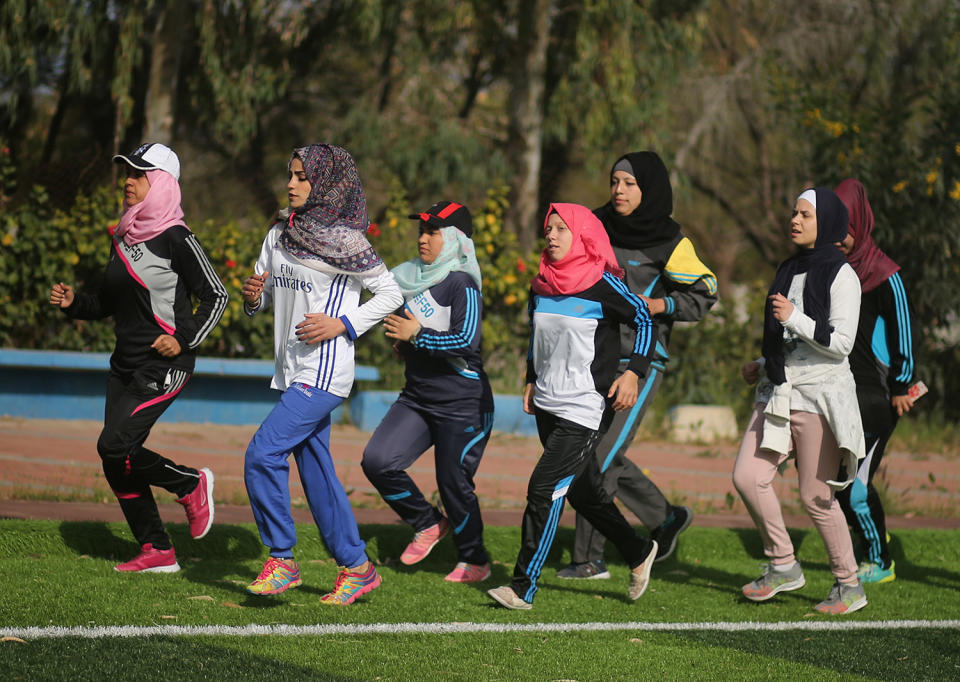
(843, 599)
(590, 570)
(505, 596)
(773, 582)
(640, 576)
(677, 521)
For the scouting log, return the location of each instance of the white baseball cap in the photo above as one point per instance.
(152, 156)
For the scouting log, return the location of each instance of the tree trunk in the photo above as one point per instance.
(63, 103)
(164, 70)
(525, 136)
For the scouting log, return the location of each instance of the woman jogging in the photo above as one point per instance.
(807, 402)
(661, 267)
(446, 402)
(883, 362)
(312, 266)
(577, 304)
(156, 274)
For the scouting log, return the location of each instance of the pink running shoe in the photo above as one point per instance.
(423, 541)
(469, 573)
(151, 560)
(199, 505)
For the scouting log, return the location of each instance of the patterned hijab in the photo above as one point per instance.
(821, 263)
(650, 223)
(872, 265)
(590, 255)
(331, 226)
(458, 254)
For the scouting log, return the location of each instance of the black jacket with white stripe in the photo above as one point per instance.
(149, 289)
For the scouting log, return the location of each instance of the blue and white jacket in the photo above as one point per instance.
(444, 368)
(575, 347)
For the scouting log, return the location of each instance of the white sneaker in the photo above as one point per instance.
(640, 576)
(507, 597)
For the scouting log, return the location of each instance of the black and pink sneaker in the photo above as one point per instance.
(151, 560)
(199, 505)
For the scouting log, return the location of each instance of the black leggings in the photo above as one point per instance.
(133, 405)
(567, 469)
(860, 501)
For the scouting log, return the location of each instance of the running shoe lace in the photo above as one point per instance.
(268, 568)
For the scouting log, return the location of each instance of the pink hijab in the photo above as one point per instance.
(872, 265)
(159, 210)
(590, 255)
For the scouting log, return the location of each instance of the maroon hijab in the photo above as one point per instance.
(872, 265)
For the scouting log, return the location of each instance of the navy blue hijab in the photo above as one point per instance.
(821, 262)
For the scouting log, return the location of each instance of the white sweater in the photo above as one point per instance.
(819, 379)
(295, 290)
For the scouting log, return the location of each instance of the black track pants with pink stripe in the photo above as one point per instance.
(133, 405)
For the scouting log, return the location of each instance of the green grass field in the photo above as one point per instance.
(59, 574)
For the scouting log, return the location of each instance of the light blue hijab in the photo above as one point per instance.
(458, 254)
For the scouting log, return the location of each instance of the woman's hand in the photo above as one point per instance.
(625, 388)
(902, 404)
(252, 288)
(167, 346)
(782, 308)
(317, 327)
(751, 372)
(528, 398)
(402, 328)
(655, 305)
(62, 295)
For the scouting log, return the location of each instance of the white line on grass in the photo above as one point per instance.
(55, 632)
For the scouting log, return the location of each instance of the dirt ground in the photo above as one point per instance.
(50, 469)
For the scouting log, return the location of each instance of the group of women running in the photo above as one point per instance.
(610, 285)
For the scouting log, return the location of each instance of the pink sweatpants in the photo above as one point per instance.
(818, 460)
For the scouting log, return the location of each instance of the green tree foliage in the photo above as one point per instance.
(42, 246)
(748, 101)
(891, 118)
(706, 357)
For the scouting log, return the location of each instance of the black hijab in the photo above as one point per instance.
(822, 262)
(650, 224)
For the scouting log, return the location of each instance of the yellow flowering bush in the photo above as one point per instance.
(507, 272)
(42, 246)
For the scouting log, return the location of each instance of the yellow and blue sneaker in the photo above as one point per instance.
(278, 575)
(351, 585)
(875, 573)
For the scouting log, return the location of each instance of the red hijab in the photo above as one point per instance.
(872, 265)
(590, 255)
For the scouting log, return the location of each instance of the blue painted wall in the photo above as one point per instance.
(71, 385)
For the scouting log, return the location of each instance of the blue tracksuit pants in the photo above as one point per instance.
(300, 423)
